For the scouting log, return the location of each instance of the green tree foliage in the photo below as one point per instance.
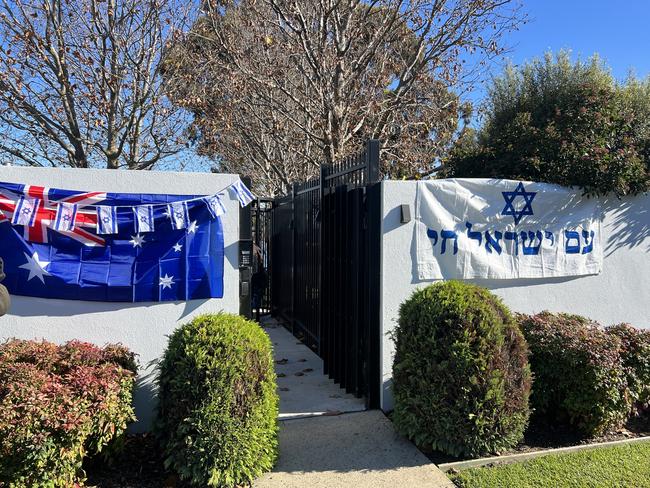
(556, 121)
(461, 375)
(218, 402)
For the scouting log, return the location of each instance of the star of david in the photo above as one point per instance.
(106, 219)
(509, 197)
(144, 219)
(178, 215)
(27, 210)
(66, 217)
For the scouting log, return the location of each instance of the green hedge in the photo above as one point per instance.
(578, 370)
(58, 404)
(218, 402)
(461, 379)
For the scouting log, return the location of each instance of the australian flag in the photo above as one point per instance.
(142, 261)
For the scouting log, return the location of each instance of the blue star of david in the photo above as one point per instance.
(509, 197)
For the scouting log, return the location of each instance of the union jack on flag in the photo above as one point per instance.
(48, 200)
(161, 262)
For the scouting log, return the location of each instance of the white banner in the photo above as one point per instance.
(503, 229)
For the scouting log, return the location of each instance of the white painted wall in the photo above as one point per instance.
(143, 327)
(621, 293)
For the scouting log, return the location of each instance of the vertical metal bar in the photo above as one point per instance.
(372, 161)
(293, 257)
(373, 265)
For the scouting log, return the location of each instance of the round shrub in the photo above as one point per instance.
(635, 355)
(579, 376)
(461, 379)
(218, 402)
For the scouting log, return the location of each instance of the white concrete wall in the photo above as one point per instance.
(143, 327)
(621, 293)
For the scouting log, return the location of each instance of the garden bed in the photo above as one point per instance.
(139, 465)
(542, 435)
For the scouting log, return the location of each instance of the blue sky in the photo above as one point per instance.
(618, 30)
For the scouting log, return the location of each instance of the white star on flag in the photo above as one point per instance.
(178, 247)
(192, 228)
(36, 267)
(137, 240)
(166, 281)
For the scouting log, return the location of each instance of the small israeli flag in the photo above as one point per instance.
(178, 215)
(143, 217)
(244, 195)
(106, 219)
(25, 213)
(215, 206)
(66, 213)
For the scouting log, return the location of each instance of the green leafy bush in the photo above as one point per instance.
(461, 379)
(57, 404)
(578, 370)
(635, 354)
(557, 121)
(218, 402)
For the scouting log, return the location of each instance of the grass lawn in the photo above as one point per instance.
(619, 466)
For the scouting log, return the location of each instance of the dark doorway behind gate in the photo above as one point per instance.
(322, 245)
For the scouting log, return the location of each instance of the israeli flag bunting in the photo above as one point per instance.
(178, 215)
(244, 195)
(215, 206)
(106, 220)
(66, 214)
(143, 217)
(26, 210)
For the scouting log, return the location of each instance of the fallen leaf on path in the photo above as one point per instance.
(332, 413)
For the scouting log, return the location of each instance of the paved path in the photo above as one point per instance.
(304, 390)
(356, 450)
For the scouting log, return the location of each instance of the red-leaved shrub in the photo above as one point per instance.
(578, 372)
(57, 404)
(635, 353)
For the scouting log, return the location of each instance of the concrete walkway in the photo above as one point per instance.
(304, 390)
(360, 450)
(327, 440)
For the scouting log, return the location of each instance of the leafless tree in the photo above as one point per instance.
(278, 87)
(80, 82)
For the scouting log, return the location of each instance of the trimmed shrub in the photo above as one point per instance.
(218, 407)
(579, 376)
(461, 379)
(635, 354)
(57, 404)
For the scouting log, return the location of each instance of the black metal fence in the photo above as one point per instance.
(324, 248)
(261, 262)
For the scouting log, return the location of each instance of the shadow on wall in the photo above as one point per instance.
(630, 223)
(145, 398)
(25, 307)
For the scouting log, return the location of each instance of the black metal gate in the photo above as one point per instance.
(324, 248)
